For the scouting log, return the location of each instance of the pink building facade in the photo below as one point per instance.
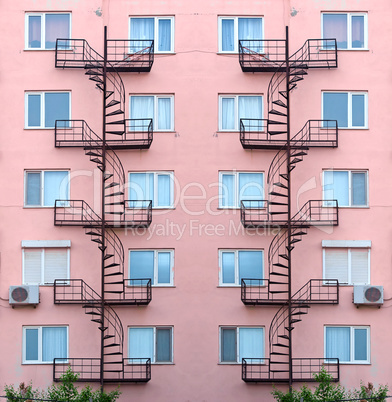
(192, 227)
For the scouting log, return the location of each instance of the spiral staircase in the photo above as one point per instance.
(275, 212)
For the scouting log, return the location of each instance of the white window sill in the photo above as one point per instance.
(153, 364)
(37, 207)
(239, 286)
(42, 128)
(237, 364)
(43, 363)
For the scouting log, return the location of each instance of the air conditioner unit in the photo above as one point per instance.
(24, 295)
(369, 295)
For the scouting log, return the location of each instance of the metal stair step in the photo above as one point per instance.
(283, 93)
(114, 213)
(113, 274)
(107, 176)
(115, 132)
(285, 256)
(113, 102)
(274, 132)
(277, 112)
(277, 203)
(118, 111)
(277, 213)
(280, 103)
(284, 176)
(93, 233)
(295, 79)
(115, 203)
(284, 336)
(116, 122)
(278, 194)
(110, 345)
(97, 241)
(112, 184)
(281, 345)
(294, 320)
(93, 72)
(279, 273)
(276, 122)
(106, 256)
(114, 194)
(278, 264)
(102, 329)
(113, 264)
(300, 72)
(279, 184)
(107, 94)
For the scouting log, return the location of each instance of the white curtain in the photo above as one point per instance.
(227, 190)
(227, 35)
(251, 187)
(336, 187)
(55, 187)
(54, 343)
(164, 267)
(358, 31)
(141, 343)
(164, 114)
(228, 267)
(164, 35)
(164, 193)
(56, 27)
(250, 29)
(250, 107)
(142, 28)
(227, 114)
(251, 343)
(142, 107)
(335, 27)
(34, 32)
(337, 343)
(141, 188)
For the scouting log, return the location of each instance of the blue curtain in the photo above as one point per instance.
(336, 187)
(164, 35)
(360, 344)
(164, 190)
(163, 345)
(251, 186)
(56, 27)
(141, 343)
(337, 343)
(228, 344)
(164, 267)
(335, 27)
(164, 114)
(141, 265)
(227, 190)
(228, 35)
(251, 343)
(228, 114)
(142, 107)
(228, 267)
(31, 344)
(54, 343)
(34, 110)
(56, 107)
(359, 188)
(250, 264)
(335, 107)
(33, 196)
(358, 110)
(55, 187)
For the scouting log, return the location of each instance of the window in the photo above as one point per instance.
(42, 265)
(155, 343)
(349, 344)
(43, 344)
(233, 29)
(42, 30)
(350, 265)
(160, 108)
(155, 186)
(158, 29)
(237, 343)
(42, 109)
(43, 187)
(237, 186)
(232, 108)
(349, 29)
(349, 187)
(348, 108)
(239, 264)
(156, 265)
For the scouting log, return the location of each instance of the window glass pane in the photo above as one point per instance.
(360, 266)
(338, 343)
(57, 27)
(359, 189)
(163, 345)
(164, 114)
(138, 186)
(34, 110)
(250, 186)
(54, 343)
(250, 264)
(249, 28)
(31, 344)
(251, 343)
(336, 264)
(56, 107)
(164, 190)
(32, 266)
(164, 267)
(142, 107)
(34, 32)
(164, 35)
(142, 28)
(335, 107)
(228, 267)
(55, 187)
(360, 344)
(228, 35)
(228, 345)
(335, 26)
(227, 122)
(336, 187)
(358, 106)
(227, 190)
(33, 189)
(142, 265)
(358, 31)
(56, 264)
(250, 107)
(141, 343)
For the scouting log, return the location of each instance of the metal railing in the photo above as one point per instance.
(316, 53)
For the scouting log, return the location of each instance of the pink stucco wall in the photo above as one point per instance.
(195, 74)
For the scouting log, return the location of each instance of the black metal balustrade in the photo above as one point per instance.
(258, 370)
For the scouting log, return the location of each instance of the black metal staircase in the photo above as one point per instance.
(276, 211)
(115, 211)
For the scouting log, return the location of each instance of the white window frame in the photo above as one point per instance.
(155, 198)
(44, 245)
(42, 109)
(350, 109)
(236, 188)
(156, 252)
(39, 327)
(236, 266)
(349, 29)
(42, 186)
(43, 29)
(235, 18)
(352, 343)
(156, 31)
(153, 360)
(155, 117)
(349, 264)
(237, 328)
(236, 110)
(350, 187)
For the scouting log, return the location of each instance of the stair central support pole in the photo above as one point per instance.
(103, 226)
(289, 229)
